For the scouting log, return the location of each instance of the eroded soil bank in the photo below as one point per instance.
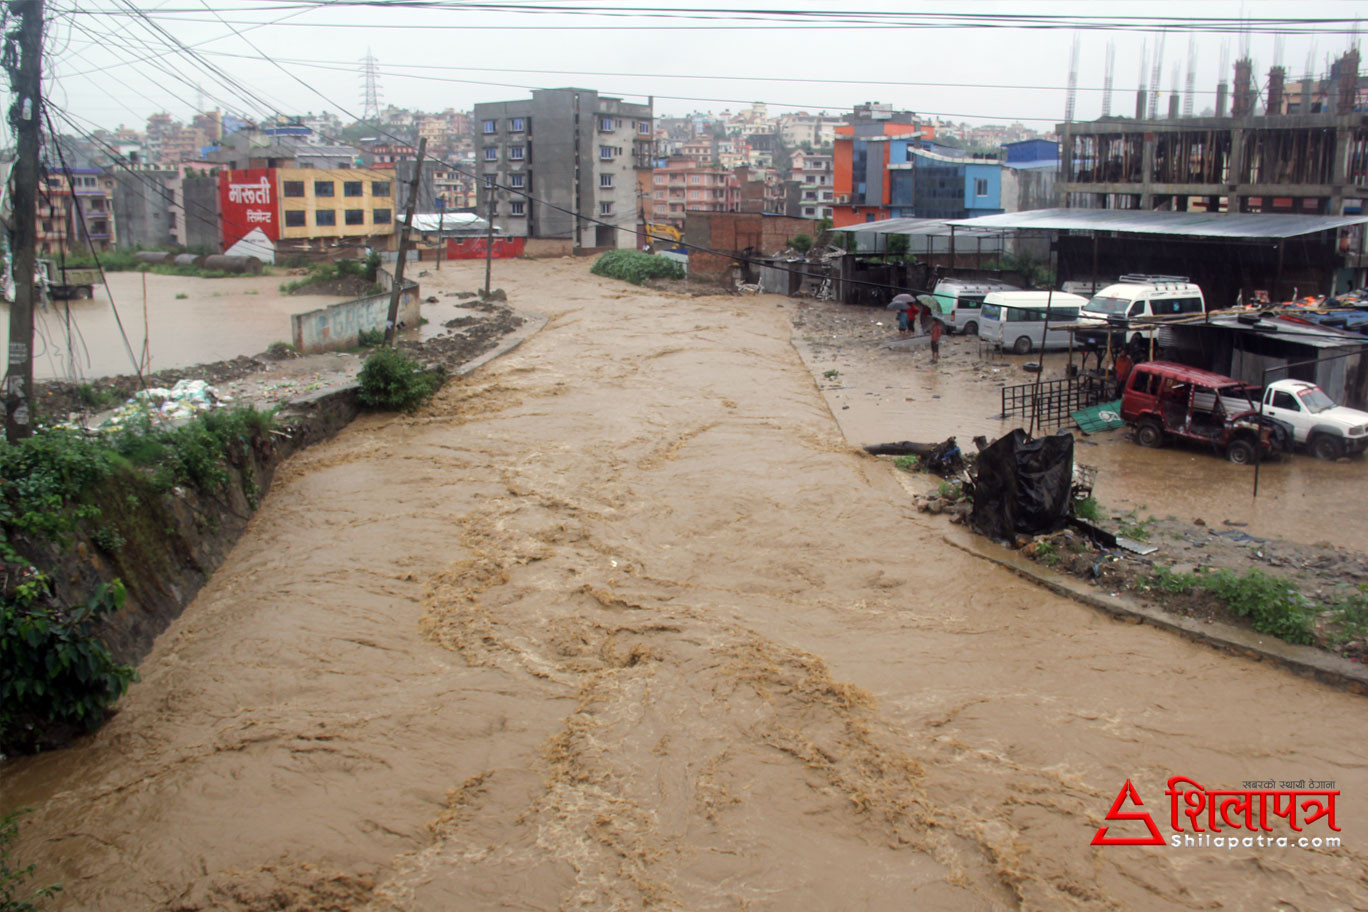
(622, 621)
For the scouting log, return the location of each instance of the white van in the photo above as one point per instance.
(1015, 320)
(1138, 296)
(961, 300)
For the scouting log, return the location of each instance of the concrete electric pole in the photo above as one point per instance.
(26, 115)
(392, 324)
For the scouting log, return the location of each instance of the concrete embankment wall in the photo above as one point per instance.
(340, 325)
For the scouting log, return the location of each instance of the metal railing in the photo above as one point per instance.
(1054, 401)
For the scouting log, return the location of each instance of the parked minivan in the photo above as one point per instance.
(1137, 296)
(1015, 320)
(961, 301)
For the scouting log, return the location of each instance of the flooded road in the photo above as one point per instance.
(216, 320)
(882, 395)
(622, 621)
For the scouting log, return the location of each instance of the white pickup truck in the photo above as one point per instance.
(1329, 431)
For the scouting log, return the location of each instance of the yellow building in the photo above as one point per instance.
(319, 206)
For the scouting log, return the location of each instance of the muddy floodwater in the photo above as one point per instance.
(216, 320)
(623, 621)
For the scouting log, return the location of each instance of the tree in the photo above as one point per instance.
(801, 243)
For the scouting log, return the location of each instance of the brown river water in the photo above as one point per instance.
(622, 621)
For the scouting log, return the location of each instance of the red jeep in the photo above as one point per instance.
(1164, 400)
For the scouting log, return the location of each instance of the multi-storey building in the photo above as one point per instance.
(309, 208)
(817, 184)
(570, 162)
(76, 211)
(682, 185)
(1304, 163)
(865, 150)
(457, 190)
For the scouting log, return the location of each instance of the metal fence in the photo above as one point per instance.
(1053, 401)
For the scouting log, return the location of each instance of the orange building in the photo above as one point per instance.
(860, 159)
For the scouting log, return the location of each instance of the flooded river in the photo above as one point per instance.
(185, 321)
(623, 621)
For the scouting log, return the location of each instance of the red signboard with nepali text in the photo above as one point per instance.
(247, 200)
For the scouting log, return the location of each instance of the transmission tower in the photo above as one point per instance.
(370, 87)
(1071, 97)
(1107, 80)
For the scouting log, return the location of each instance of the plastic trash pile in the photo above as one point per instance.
(184, 400)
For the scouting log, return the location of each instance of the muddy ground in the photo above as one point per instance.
(1295, 546)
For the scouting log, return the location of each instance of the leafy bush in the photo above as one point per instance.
(392, 381)
(636, 267)
(369, 338)
(801, 243)
(909, 463)
(53, 666)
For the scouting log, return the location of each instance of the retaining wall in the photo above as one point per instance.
(340, 325)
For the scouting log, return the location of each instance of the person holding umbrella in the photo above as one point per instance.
(908, 313)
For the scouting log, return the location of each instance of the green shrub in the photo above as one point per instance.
(1087, 508)
(909, 463)
(636, 267)
(801, 243)
(1272, 605)
(369, 338)
(53, 666)
(392, 381)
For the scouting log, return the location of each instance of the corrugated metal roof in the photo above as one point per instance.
(909, 226)
(1189, 224)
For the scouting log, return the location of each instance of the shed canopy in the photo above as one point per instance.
(910, 226)
(1144, 221)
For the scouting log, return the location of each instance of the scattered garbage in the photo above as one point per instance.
(184, 400)
(944, 458)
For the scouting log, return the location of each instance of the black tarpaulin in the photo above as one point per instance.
(1022, 486)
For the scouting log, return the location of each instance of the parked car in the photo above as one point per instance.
(961, 301)
(1167, 401)
(1328, 430)
(1140, 296)
(1015, 320)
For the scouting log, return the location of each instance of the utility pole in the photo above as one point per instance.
(392, 323)
(26, 114)
(489, 237)
(441, 227)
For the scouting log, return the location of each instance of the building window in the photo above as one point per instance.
(491, 153)
(325, 217)
(644, 127)
(809, 211)
(695, 194)
(695, 178)
(292, 188)
(517, 207)
(606, 124)
(355, 217)
(515, 153)
(607, 152)
(294, 218)
(605, 208)
(323, 188)
(489, 126)
(517, 125)
(980, 186)
(659, 179)
(515, 180)
(380, 188)
(380, 216)
(352, 188)
(606, 181)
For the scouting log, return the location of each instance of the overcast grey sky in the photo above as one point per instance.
(113, 69)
